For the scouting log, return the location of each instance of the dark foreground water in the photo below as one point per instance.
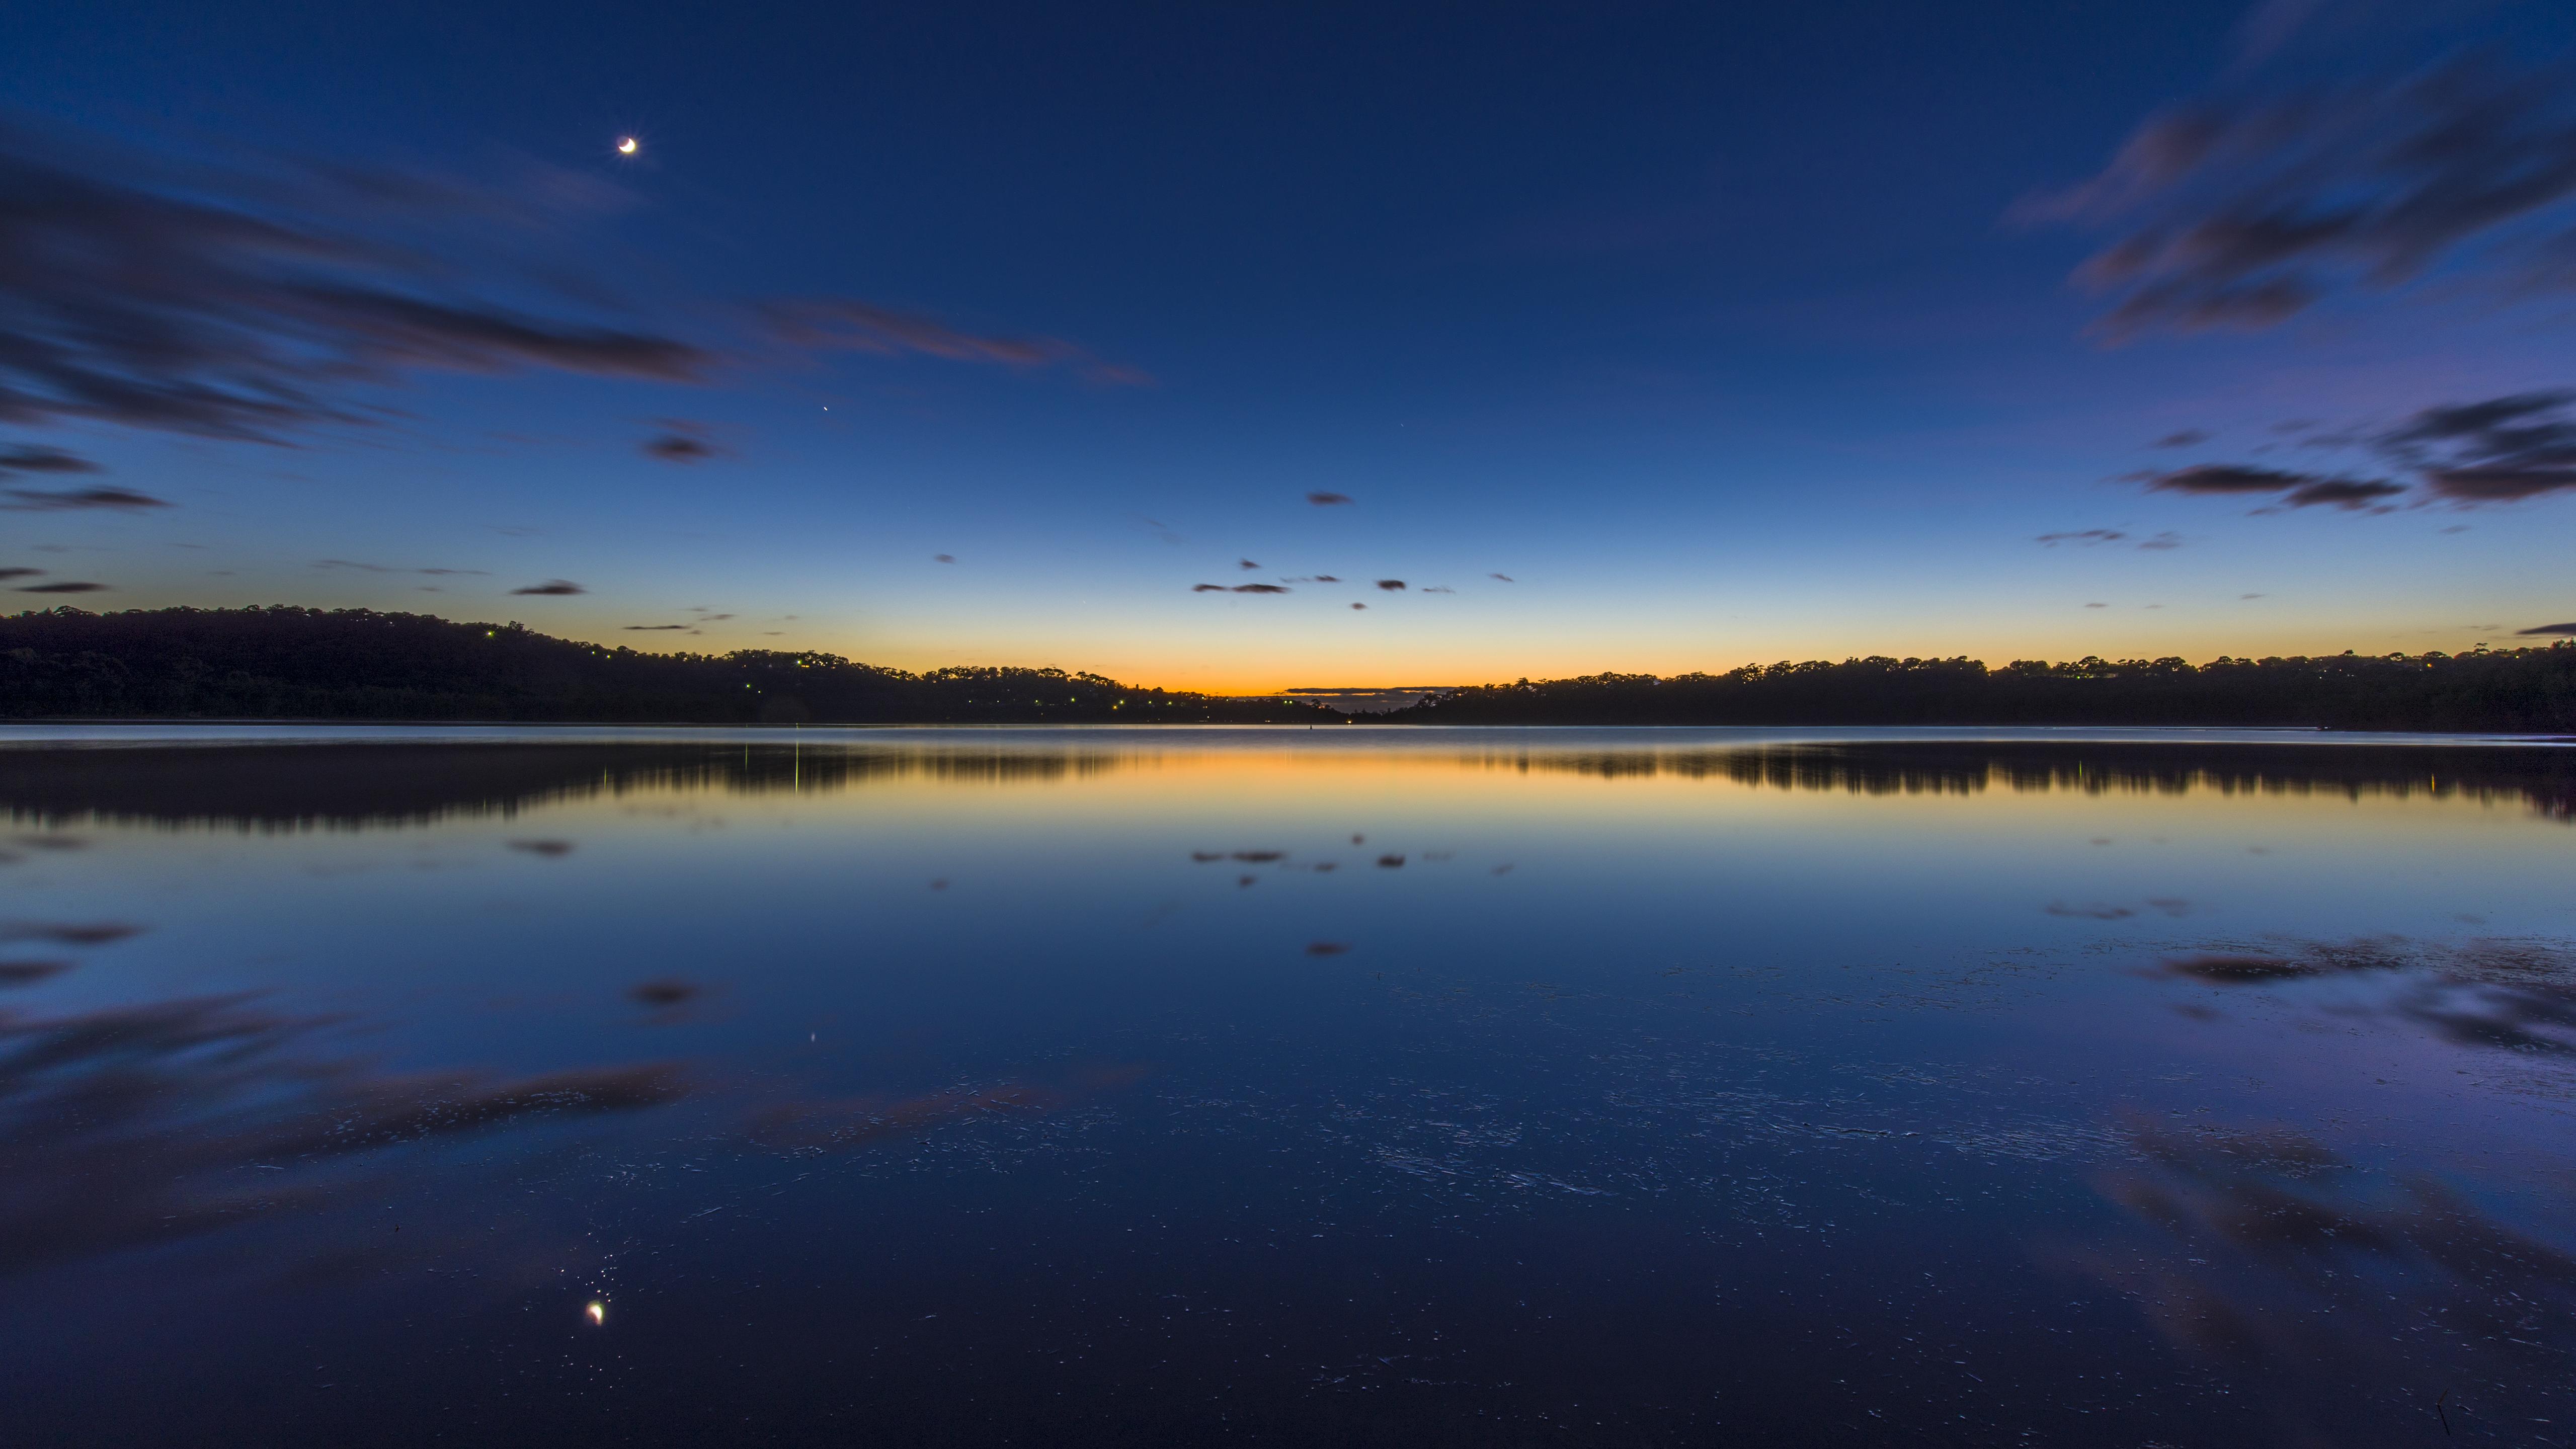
(1366, 1087)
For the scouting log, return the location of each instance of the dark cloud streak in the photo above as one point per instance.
(69, 500)
(2245, 209)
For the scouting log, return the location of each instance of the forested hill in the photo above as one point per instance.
(2505, 690)
(291, 663)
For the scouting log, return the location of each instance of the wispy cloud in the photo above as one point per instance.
(34, 459)
(2290, 489)
(842, 324)
(346, 563)
(1327, 500)
(552, 586)
(2247, 206)
(677, 448)
(242, 303)
(2501, 450)
(40, 500)
(259, 298)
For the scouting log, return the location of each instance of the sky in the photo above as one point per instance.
(1253, 347)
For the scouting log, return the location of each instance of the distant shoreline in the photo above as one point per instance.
(287, 664)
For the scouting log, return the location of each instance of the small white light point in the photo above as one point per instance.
(628, 145)
(598, 1312)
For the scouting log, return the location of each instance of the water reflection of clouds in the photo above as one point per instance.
(144, 1123)
(2515, 996)
(2300, 1274)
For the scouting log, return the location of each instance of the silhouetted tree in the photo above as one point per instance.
(293, 663)
(2511, 690)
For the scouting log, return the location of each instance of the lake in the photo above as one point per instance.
(1357, 1086)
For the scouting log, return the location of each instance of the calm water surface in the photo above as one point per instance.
(1367, 1086)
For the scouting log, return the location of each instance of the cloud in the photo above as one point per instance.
(256, 299)
(678, 448)
(653, 628)
(2187, 438)
(1391, 585)
(242, 304)
(2346, 493)
(1359, 606)
(943, 558)
(2295, 490)
(1245, 563)
(662, 993)
(842, 324)
(2222, 478)
(2546, 629)
(64, 588)
(19, 573)
(37, 500)
(1438, 589)
(347, 563)
(2088, 537)
(1506, 578)
(2499, 450)
(33, 459)
(2244, 210)
(1327, 500)
(1259, 589)
(2163, 541)
(2502, 450)
(78, 933)
(552, 586)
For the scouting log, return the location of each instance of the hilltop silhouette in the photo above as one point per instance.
(292, 663)
(2505, 690)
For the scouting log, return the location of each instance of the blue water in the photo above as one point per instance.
(1366, 1085)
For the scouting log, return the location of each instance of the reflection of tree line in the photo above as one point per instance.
(287, 787)
(2544, 778)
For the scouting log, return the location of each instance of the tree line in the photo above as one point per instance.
(284, 662)
(351, 664)
(2503, 690)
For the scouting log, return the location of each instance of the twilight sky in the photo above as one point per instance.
(1627, 337)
